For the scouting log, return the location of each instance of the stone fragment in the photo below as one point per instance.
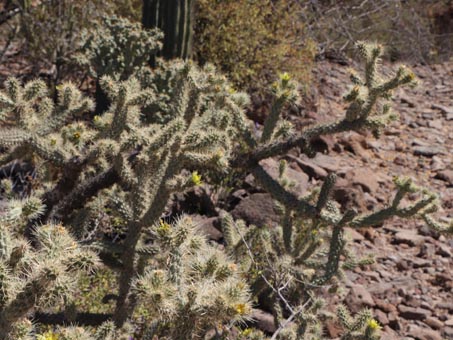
(385, 306)
(327, 162)
(258, 209)
(436, 124)
(366, 178)
(354, 234)
(299, 178)
(421, 333)
(413, 313)
(381, 317)
(433, 322)
(263, 321)
(428, 151)
(443, 250)
(444, 109)
(358, 298)
(409, 237)
(445, 175)
(448, 332)
(310, 168)
(207, 226)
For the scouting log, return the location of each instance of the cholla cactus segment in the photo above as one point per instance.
(41, 277)
(118, 47)
(362, 326)
(285, 91)
(19, 211)
(206, 281)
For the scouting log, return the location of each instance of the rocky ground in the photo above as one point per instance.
(410, 287)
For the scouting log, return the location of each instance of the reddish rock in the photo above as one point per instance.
(423, 333)
(257, 209)
(358, 298)
(413, 313)
(409, 237)
(445, 175)
(433, 322)
(381, 317)
(263, 321)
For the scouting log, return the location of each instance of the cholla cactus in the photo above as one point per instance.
(133, 164)
(194, 288)
(361, 327)
(36, 277)
(118, 48)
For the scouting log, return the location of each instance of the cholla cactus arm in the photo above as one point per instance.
(170, 295)
(284, 92)
(42, 276)
(360, 327)
(28, 108)
(361, 113)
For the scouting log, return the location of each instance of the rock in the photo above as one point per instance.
(333, 329)
(436, 124)
(358, 298)
(381, 317)
(207, 225)
(380, 288)
(437, 164)
(420, 333)
(433, 322)
(449, 322)
(413, 313)
(299, 178)
(354, 234)
(409, 237)
(385, 306)
(349, 197)
(420, 263)
(394, 321)
(427, 251)
(389, 334)
(310, 168)
(448, 332)
(443, 109)
(327, 162)
(409, 102)
(428, 151)
(443, 250)
(445, 175)
(257, 209)
(366, 178)
(263, 321)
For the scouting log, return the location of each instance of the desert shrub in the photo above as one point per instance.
(252, 41)
(50, 30)
(408, 28)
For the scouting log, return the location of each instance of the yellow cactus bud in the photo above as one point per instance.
(241, 308)
(196, 178)
(374, 325)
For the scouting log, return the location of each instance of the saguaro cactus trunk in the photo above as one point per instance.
(175, 18)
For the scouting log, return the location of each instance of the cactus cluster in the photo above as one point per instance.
(36, 277)
(163, 131)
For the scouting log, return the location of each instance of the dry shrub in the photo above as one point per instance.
(253, 40)
(412, 30)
